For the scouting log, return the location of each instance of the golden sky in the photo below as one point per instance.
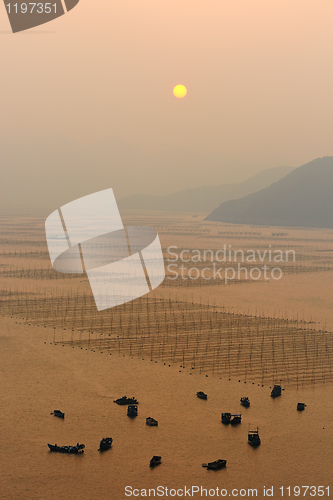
(259, 76)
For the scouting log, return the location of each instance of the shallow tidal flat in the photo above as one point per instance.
(228, 340)
(260, 331)
(38, 377)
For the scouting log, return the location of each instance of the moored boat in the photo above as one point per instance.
(58, 413)
(126, 401)
(105, 444)
(245, 402)
(276, 391)
(151, 422)
(156, 460)
(236, 419)
(301, 406)
(201, 395)
(226, 417)
(67, 449)
(253, 438)
(132, 411)
(218, 464)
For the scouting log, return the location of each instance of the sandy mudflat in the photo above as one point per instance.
(37, 378)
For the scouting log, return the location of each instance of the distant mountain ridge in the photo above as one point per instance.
(50, 171)
(205, 198)
(303, 198)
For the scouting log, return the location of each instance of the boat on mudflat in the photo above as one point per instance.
(156, 460)
(151, 422)
(105, 444)
(67, 449)
(201, 395)
(236, 419)
(301, 406)
(218, 464)
(132, 411)
(58, 413)
(276, 391)
(226, 417)
(126, 401)
(253, 438)
(245, 402)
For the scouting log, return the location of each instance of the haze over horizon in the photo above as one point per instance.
(101, 78)
(56, 171)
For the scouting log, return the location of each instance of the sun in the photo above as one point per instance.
(179, 91)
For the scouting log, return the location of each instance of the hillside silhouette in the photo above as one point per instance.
(205, 198)
(302, 198)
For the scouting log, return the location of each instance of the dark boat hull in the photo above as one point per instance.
(105, 444)
(58, 413)
(253, 438)
(254, 444)
(74, 450)
(132, 411)
(276, 391)
(155, 461)
(217, 465)
(126, 401)
(226, 418)
(151, 422)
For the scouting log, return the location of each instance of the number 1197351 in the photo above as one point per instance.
(29, 8)
(312, 491)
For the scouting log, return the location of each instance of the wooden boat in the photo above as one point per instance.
(201, 395)
(126, 401)
(236, 419)
(58, 413)
(218, 464)
(155, 461)
(301, 406)
(67, 449)
(245, 402)
(253, 438)
(226, 417)
(276, 391)
(151, 422)
(132, 411)
(105, 444)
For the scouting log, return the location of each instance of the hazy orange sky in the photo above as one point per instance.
(259, 76)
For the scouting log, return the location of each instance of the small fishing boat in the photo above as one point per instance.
(155, 461)
(226, 417)
(276, 391)
(253, 438)
(301, 406)
(58, 413)
(201, 395)
(218, 464)
(67, 449)
(236, 419)
(151, 422)
(245, 402)
(105, 444)
(126, 401)
(132, 411)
